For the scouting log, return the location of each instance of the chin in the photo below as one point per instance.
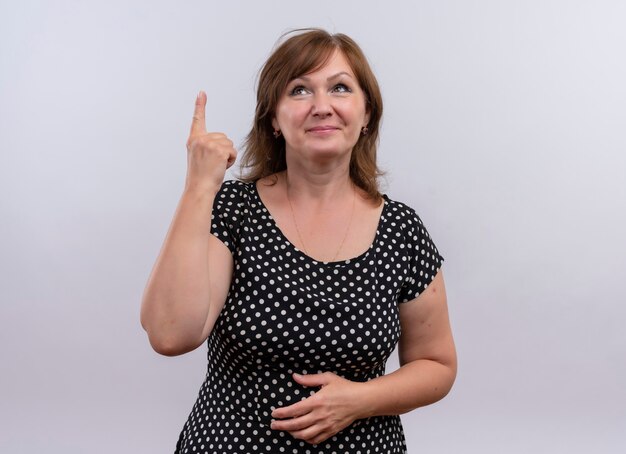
(328, 153)
(330, 148)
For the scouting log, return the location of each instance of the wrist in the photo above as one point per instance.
(201, 190)
(365, 400)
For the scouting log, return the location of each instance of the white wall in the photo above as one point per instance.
(505, 127)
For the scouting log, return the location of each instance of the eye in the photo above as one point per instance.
(341, 88)
(298, 90)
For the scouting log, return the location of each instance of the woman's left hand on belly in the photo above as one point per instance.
(315, 419)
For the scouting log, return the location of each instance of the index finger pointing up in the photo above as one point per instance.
(198, 124)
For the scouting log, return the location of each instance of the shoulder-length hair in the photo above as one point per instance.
(300, 54)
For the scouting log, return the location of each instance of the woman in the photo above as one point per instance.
(309, 278)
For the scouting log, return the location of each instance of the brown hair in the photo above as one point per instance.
(301, 54)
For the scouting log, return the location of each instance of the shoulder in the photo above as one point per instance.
(233, 190)
(404, 216)
(407, 224)
(233, 198)
(235, 187)
(230, 210)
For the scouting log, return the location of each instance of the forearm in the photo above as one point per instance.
(176, 300)
(416, 384)
(339, 402)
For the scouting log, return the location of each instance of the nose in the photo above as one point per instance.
(321, 107)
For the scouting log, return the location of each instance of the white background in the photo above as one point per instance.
(504, 126)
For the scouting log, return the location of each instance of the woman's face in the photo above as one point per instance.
(321, 114)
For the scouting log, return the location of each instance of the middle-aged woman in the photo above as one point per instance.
(302, 276)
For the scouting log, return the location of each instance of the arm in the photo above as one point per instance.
(427, 357)
(191, 277)
(427, 372)
(189, 282)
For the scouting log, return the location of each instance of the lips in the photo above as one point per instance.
(323, 128)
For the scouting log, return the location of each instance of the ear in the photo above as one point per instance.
(275, 124)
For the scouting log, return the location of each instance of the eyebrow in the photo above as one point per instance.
(334, 76)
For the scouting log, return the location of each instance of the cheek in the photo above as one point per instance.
(290, 114)
(355, 112)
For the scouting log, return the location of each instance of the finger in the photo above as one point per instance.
(307, 434)
(198, 124)
(313, 380)
(313, 434)
(323, 436)
(299, 408)
(294, 424)
(231, 158)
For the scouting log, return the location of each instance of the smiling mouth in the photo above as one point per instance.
(323, 129)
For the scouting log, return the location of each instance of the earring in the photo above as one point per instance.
(277, 133)
(364, 130)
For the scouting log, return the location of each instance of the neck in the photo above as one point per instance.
(318, 184)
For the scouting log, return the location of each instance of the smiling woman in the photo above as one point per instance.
(301, 277)
(293, 61)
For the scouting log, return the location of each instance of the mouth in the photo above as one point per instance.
(322, 129)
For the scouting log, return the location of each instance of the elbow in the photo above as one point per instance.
(448, 377)
(167, 337)
(448, 381)
(170, 340)
(443, 377)
(170, 345)
(169, 350)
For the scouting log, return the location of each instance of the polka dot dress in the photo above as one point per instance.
(287, 312)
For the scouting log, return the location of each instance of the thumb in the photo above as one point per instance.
(313, 380)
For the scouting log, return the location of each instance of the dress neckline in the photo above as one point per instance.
(293, 247)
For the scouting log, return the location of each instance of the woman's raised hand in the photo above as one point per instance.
(209, 154)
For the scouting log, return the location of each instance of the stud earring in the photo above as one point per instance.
(277, 133)
(364, 130)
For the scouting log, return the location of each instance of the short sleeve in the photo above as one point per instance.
(424, 260)
(227, 214)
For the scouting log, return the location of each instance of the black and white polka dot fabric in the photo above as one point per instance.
(289, 313)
